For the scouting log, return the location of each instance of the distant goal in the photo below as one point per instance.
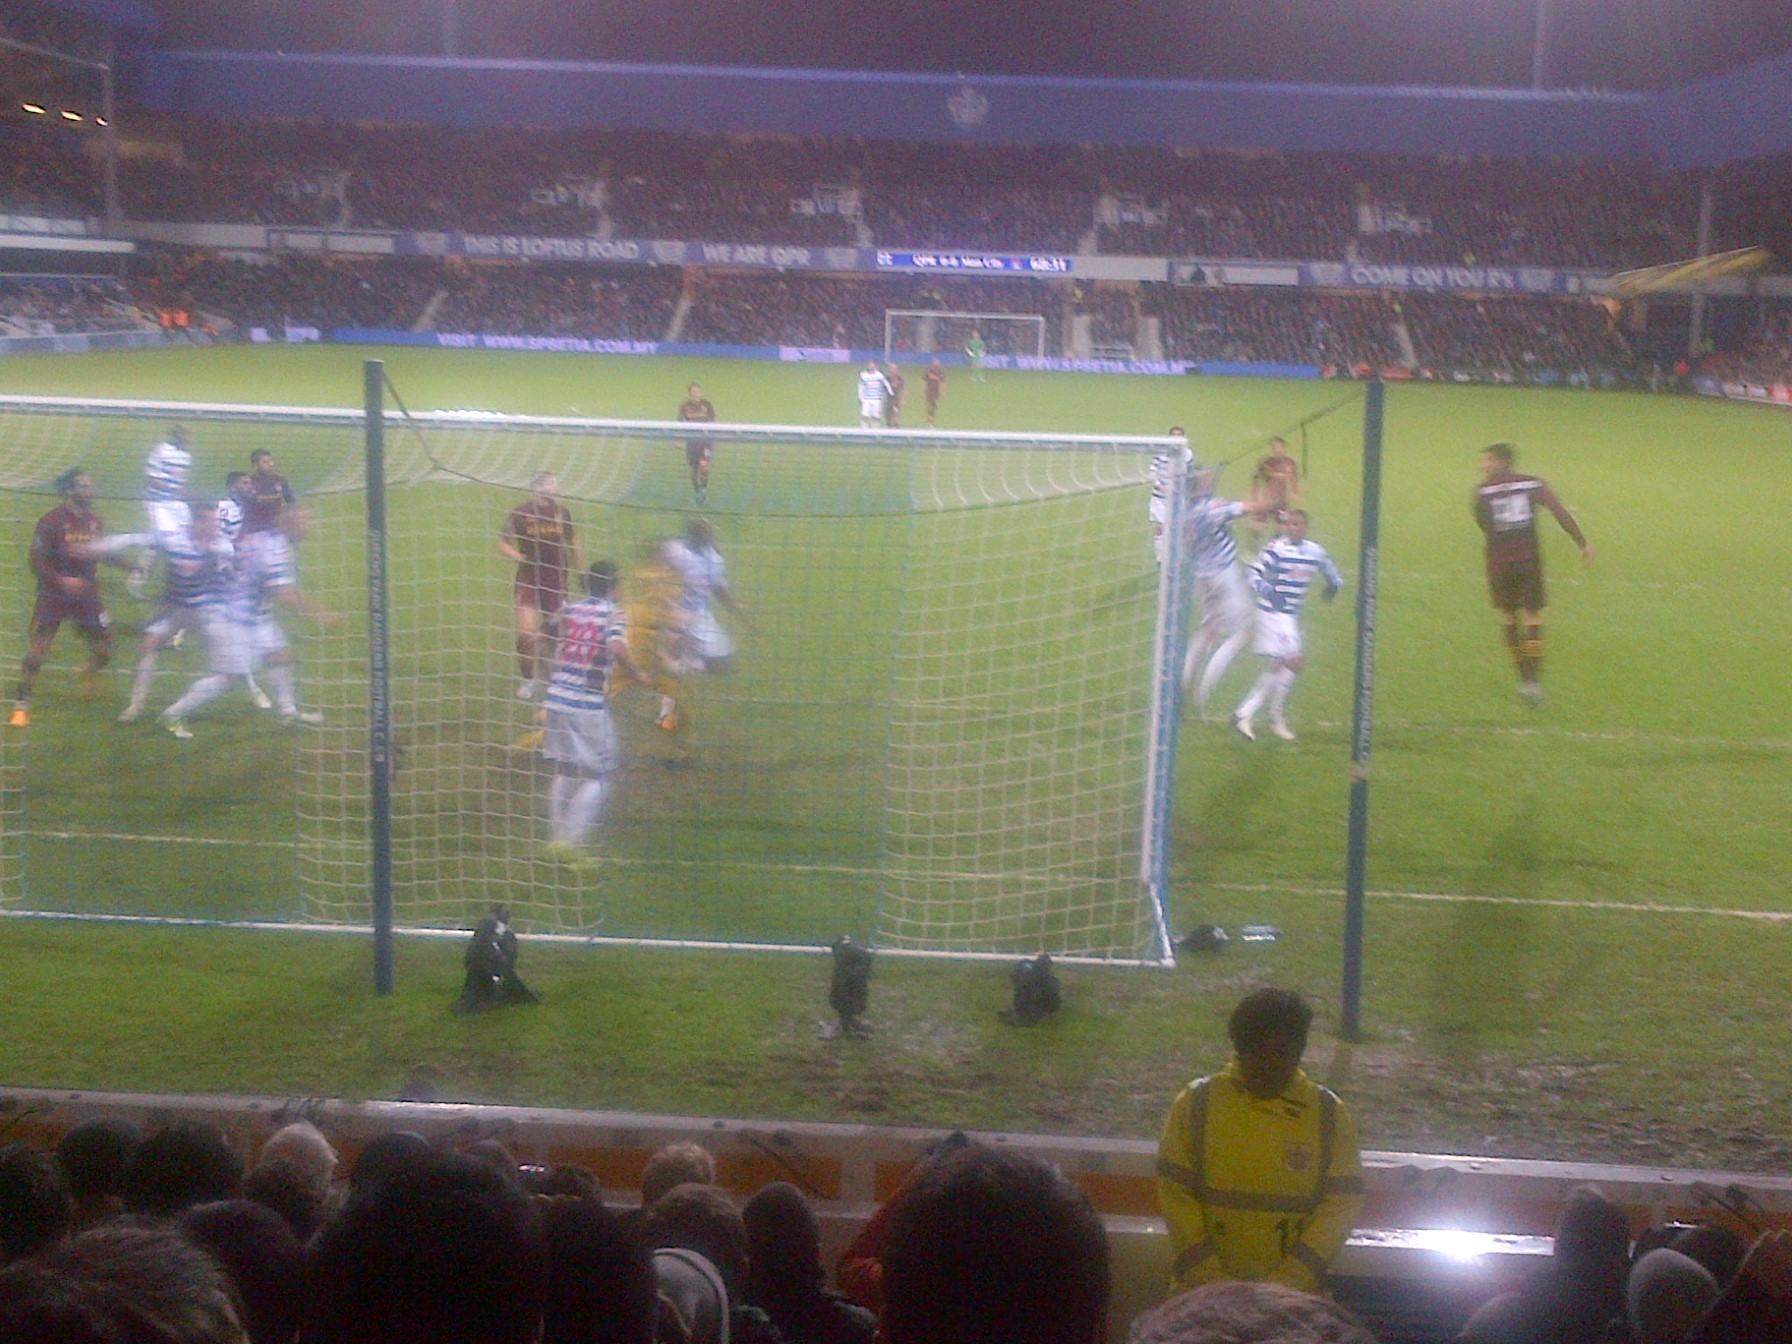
(920, 334)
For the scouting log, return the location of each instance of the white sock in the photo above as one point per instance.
(587, 806)
(202, 692)
(1254, 701)
(1197, 650)
(1278, 695)
(667, 705)
(140, 679)
(560, 794)
(1217, 665)
(250, 680)
(279, 676)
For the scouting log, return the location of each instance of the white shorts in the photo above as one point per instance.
(168, 520)
(266, 639)
(227, 646)
(1278, 635)
(171, 620)
(707, 636)
(582, 738)
(1226, 602)
(871, 408)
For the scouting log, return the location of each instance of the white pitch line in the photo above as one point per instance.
(128, 837)
(1623, 907)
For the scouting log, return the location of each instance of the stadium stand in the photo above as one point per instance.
(1247, 327)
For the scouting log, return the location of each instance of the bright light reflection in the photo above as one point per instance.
(32, 108)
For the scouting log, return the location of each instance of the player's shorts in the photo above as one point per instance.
(168, 520)
(266, 640)
(1226, 604)
(171, 620)
(545, 598)
(1277, 635)
(86, 611)
(1516, 587)
(696, 451)
(228, 646)
(871, 408)
(706, 636)
(585, 739)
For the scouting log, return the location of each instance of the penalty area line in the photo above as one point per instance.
(127, 837)
(1559, 903)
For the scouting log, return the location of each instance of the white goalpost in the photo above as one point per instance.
(947, 727)
(911, 333)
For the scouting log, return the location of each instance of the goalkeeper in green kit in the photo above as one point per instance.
(973, 350)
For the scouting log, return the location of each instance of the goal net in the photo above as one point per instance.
(947, 724)
(921, 334)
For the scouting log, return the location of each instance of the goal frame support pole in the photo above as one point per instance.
(1362, 716)
(379, 685)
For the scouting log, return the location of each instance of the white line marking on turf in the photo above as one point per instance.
(130, 838)
(1624, 907)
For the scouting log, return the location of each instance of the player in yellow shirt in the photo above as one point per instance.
(657, 639)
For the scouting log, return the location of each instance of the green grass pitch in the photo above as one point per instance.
(1633, 825)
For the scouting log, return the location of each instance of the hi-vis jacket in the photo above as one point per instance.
(1257, 1188)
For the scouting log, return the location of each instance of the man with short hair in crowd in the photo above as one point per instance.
(994, 1247)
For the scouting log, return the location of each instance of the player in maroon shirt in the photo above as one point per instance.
(67, 590)
(934, 381)
(265, 494)
(696, 409)
(538, 538)
(1506, 504)
(898, 385)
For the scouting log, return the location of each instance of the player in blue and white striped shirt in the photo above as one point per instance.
(579, 737)
(873, 389)
(198, 558)
(165, 473)
(1225, 599)
(1281, 575)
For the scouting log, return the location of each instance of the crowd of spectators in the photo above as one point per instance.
(1149, 201)
(1517, 340)
(633, 304)
(177, 1236)
(1113, 314)
(1764, 357)
(52, 307)
(296, 291)
(1250, 326)
(44, 173)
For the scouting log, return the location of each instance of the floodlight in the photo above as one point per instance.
(70, 116)
(33, 109)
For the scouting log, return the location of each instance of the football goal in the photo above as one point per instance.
(947, 725)
(914, 334)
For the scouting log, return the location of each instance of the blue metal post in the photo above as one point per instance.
(379, 718)
(1362, 714)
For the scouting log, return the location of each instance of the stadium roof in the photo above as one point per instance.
(1605, 44)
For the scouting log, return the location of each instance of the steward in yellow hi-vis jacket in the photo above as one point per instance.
(1258, 1172)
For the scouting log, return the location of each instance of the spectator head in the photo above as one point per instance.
(601, 1284)
(1269, 1032)
(1717, 1248)
(93, 1157)
(703, 1219)
(568, 1180)
(187, 1163)
(1593, 1237)
(304, 1144)
(1665, 1295)
(681, 1163)
(126, 1282)
(1225, 1313)
(386, 1154)
(496, 1156)
(264, 1261)
(34, 1205)
(783, 1245)
(286, 1189)
(993, 1247)
(442, 1251)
